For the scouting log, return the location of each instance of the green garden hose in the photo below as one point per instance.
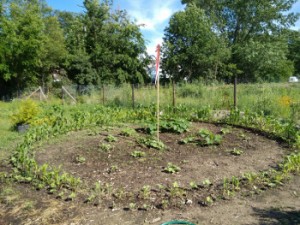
(177, 222)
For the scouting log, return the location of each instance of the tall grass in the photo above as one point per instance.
(278, 99)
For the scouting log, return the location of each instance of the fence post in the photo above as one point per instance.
(103, 94)
(174, 95)
(133, 98)
(235, 92)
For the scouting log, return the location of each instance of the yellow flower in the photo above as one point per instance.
(285, 101)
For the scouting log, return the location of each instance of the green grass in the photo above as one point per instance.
(8, 137)
(268, 98)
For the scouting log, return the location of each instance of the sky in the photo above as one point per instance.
(153, 14)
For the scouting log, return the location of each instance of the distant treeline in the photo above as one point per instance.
(209, 40)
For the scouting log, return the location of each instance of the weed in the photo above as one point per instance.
(113, 169)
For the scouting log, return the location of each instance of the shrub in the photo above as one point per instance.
(27, 111)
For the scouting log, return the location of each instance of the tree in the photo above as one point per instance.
(114, 43)
(248, 22)
(191, 48)
(293, 41)
(21, 43)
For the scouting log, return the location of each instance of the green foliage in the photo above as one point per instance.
(111, 138)
(152, 143)
(27, 111)
(191, 49)
(128, 132)
(236, 152)
(171, 168)
(246, 26)
(175, 126)
(209, 138)
(138, 154)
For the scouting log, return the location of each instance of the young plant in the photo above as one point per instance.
(209, 138)
(236, 152)
(128, 132)
(206, 182)
(145, 192)
(111, 138)
(105, 147)
(80, 159)
(152, 143)
(171, 168)
(138, 154)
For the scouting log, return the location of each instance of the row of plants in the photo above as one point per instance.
(56, 120)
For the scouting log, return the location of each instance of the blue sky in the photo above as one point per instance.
(154, 14)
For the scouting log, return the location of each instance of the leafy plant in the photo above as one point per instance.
(111, 138)
(105, 147)
(137, 154)
(171, 168)
(225, 130)
(27, 111)
(209, 138)
(193, 185)
(128, 132)
(236, 151)
(152, 143)
(206, 182)
(174, 126)
(188, 140)
(80, 159)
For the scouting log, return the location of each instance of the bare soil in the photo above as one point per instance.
(84, 155)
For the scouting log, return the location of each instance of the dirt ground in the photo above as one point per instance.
(106, 157)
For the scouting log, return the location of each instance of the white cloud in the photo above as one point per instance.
(154, 15)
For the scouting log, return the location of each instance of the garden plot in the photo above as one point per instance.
(126, 168)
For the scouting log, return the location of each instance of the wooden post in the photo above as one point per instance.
(133, 99)
(174, 95)
(103, 94)
(235, 92)
(157, 88)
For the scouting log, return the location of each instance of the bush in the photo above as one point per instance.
(27, 111)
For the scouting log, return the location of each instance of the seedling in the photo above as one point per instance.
(225, 130)
(187, 140)
(145, 192)
(206, 182)
(128, 132)
(138, 154)
(193, 185)
(80, 159)
(209, 138)
(171, 168)
(152, 143)
(111, 138)
(105, 147)
(236, 152)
